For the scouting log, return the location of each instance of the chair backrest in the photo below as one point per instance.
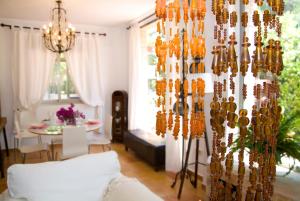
(108, 126)
(18, 131)
(17, 127)
(74, 142)
(25, 118)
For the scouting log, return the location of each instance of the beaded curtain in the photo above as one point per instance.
(253, 180)
(181, 42)
(264, 64)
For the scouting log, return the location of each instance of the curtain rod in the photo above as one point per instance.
(144, 19)
(35, 28)
(144, 25)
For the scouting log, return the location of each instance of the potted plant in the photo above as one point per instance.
(288, 139)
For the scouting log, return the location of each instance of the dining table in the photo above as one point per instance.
(56, 130)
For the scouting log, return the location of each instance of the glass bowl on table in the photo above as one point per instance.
(54, 130)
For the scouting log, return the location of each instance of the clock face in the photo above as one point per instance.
(118, 120)
(118, 106)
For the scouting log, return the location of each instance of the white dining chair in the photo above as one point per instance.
(57, 140)
(21, 136)
(74, 142)
(100, 139)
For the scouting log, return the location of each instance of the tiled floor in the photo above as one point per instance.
(132, 166)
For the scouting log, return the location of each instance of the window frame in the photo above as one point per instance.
(144, 54)
(61, 100)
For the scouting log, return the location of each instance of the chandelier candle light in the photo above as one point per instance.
(59, 36)
(266, 65)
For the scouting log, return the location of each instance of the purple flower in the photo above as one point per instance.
(69, 114)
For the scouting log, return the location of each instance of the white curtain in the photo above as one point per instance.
(138, 98)
(137, 82)
(173, 153)
(173, 147)
(85, 69)
(31, 67)
(6, 90)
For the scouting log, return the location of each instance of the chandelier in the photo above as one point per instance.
(59, 36)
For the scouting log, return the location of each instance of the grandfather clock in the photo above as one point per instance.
(119, 114)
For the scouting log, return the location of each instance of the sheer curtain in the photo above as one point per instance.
(173, 147)
(85, 69)
(137, 82)
(138, 98)
(6, 89)
(31, 67)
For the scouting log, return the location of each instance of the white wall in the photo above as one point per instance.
(114, 62)
(116, 71)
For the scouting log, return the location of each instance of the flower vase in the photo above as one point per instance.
(70, 122)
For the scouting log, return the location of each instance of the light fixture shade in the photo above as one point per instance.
(59, 35)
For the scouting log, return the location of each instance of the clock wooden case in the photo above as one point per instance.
(120, 115)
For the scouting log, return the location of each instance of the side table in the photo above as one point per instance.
(3, 122)
(148, 146)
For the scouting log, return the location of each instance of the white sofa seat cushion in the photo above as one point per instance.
(128, 189)
(5, 197)
(83, 178)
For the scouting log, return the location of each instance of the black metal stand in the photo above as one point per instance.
(183, 173)
(195, 182)
(185, 168)
(180, 173)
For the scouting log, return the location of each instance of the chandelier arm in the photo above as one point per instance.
(49, 46)
(65, 48)
(60, 9)
(59, 28)
(51, 42)
(73, 40)
(70, 42)
(46, 42)
(67, 43)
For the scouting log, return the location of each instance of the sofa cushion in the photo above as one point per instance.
(5, 197)
(128, 189)
(83, 178)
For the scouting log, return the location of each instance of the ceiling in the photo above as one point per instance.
(90, 12)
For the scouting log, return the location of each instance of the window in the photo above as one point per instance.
(289, 132)
(148, 37)
(60, 87)
(289, 81)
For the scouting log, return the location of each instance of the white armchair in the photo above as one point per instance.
(94, 177)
